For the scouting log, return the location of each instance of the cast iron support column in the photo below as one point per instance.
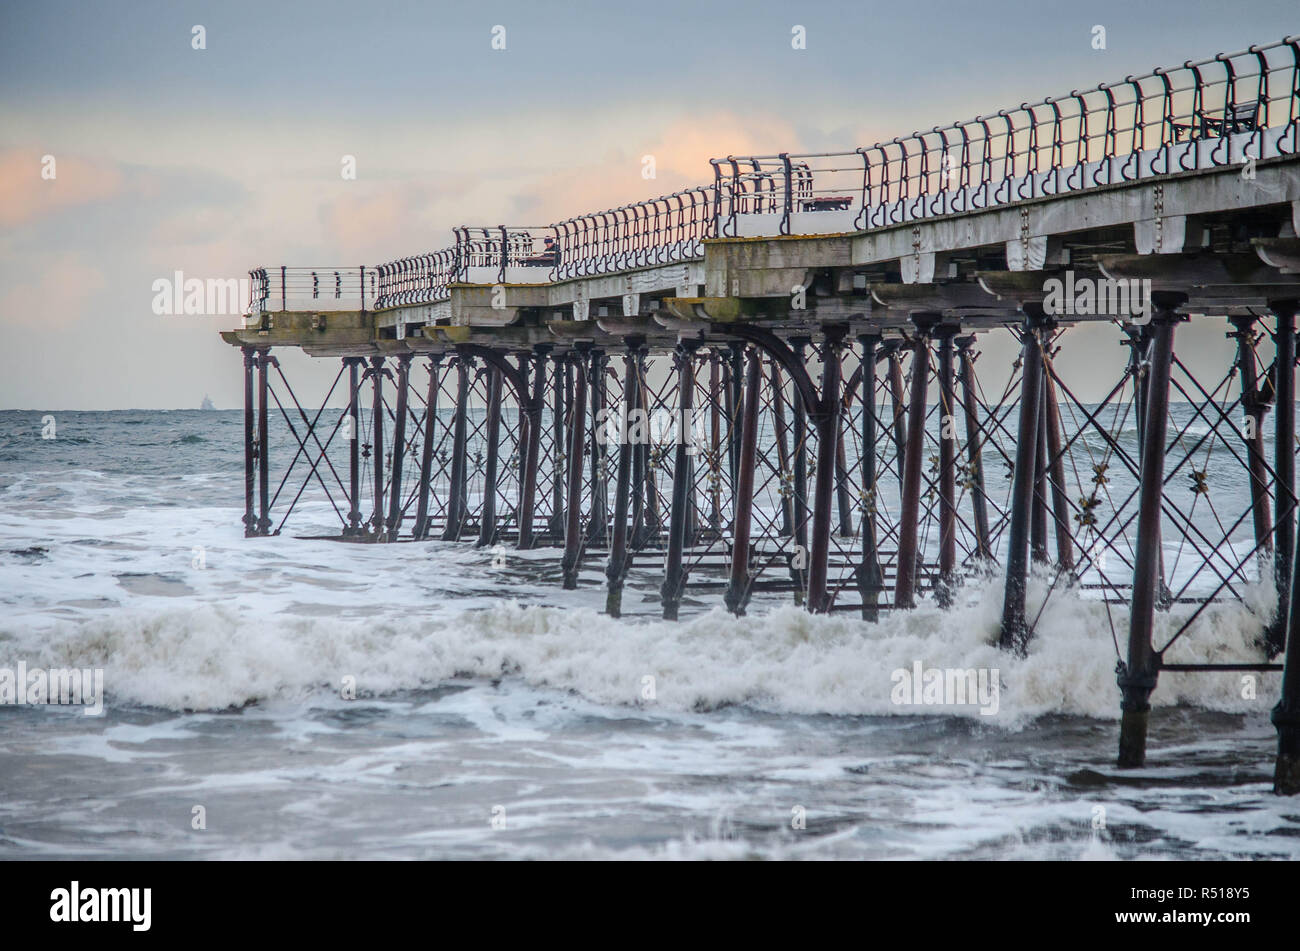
(870, 578)
(532, 448)
(616, 569)
(421, 529)
(597, 525)
(713, 458)
(1284, 464)
(250, 447)
(457, 499)
(783, 452)
(558, 411)
(827, 421)
(354, 527)
(642, 474)
(377, 437)
(899, 406)
(571, 562)
(910, 510)
(735, 364)
(842, 494)
(1038, 517)
(947, 469)
(1137, 677)
(1254, 408)
(674, 583)
(974, 455)
(800, 441)
(487, 521)
(1056, 472)
(1015, 633)
(737, 596)
(399, 447)
(263, 445)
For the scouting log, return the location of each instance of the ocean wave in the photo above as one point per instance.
(216, 656)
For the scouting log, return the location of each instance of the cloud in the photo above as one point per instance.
(26, 196)
(55, 296)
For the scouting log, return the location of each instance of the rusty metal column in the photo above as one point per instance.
(558, 410)
(457, 501)
(947, 468)
(800, 465)
(250, 448)
(377, 438)
(616, 568)
(1284, 463)
(783, 451)
(974, 456)
(642, 474)
(909, 516)
(263, 445)
(1038, 516)
(896, 392)
(735, 363)
(674, 584)
(399, 447)
(713, 458)
(532, 447)
(354, 450)
(1056, 472)
(843, 497)
(1254, 408)
(737, 596)
(421, 529)
(1137, 676)
(828, 432)
(1014, 630)
(870, 578)
(487, 521)
(571, 561)
(597, 530)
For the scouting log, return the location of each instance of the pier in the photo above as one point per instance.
(771, 383)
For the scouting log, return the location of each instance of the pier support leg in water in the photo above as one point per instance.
(377, 439)
(913, 460)
(573, 541)
(354, 526)
(737, 596)
(487, 527)
(1014, 630)
(263, 444)
(800, 424)
(421, 529)
(532, 419)
(457, 501)
(394, 522)
(1137, 675)
(827, 421)
(559, 366)
(597, 524)
(619, 561)
(1286, 715)
(1284, 466)
(1056, 473)
(250, 444)
(974, 454)
(1253, 406)
(870, 578)
(674, 584)
(947, 468)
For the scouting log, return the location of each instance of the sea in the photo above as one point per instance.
(300, 698)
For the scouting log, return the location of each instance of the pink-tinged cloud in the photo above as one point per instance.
(56, 295)
(26, 196)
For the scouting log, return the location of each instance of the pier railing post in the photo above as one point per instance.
(674, 584)
(421, 529)
(913, 460)
(737, 596)
(399, 447)
(827, 421)
(1284, 465)
(571, 562)
(1014, 631)
(1137, 675)
(487, 528)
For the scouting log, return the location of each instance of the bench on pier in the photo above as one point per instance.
(1238, 117)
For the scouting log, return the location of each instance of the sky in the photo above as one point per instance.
(216, 160)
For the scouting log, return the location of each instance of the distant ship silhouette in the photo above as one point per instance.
(207, 403)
